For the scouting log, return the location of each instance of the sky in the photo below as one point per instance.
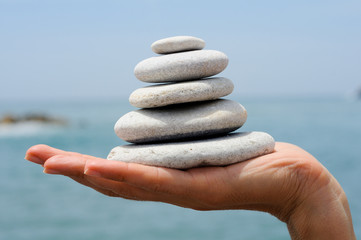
(86, 49)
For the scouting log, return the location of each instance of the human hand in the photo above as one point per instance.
(288, 183)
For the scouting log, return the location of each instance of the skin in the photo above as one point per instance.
(288, 183)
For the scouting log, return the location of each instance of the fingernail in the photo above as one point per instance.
(93, 173)
(50, 171)
(33, 159)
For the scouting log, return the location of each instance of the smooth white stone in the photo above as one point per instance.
(181, 121)
(177, 44)
(181, 66)
(181, 92)
(219, 151)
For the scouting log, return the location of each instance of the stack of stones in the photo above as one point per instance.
(182, 122)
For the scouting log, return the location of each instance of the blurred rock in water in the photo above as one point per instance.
(32, 117)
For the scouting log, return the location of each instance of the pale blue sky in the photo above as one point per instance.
(88, 49)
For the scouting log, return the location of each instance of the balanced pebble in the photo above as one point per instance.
(177, 44)
(181, 121)
(181, 66)
(182, 92)
(219, 151)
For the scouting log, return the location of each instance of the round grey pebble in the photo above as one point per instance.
(182, 92)
(181, 121)
(177, 44)
(181, 66)
(219, 151)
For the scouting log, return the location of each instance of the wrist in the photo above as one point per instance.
(323, 214)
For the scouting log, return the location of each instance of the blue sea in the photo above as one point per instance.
(37, 206)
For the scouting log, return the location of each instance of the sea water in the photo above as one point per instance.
(34, 205)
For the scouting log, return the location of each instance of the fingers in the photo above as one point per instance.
(150, 179)
(62, 162)
(128, 180)
(155, 179)
(72, 165)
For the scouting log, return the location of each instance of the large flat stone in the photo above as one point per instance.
(181, 121)
(219, 151)
(177, 44)
(182, 92)
(181, 66)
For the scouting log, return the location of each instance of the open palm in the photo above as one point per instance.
(282, 183)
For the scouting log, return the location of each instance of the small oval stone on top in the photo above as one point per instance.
(177, 44)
